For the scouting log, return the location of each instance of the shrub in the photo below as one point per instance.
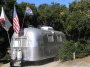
(65, 53)
(81, 48)
(6, 57)
(88, 47)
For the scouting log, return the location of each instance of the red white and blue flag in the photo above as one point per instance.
(2, 19)
(28, 11)
(16, 26)
(5, 23)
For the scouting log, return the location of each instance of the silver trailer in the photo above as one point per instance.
(36, 44)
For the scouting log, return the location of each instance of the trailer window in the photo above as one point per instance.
(19, 42)
(23, 41)
(59, 38)
(40, 40)
(50, 38)
(16, 42)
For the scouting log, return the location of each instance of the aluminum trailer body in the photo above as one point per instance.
(36, 44)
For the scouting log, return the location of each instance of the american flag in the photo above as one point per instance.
(16, 26)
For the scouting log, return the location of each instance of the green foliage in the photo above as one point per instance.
(88, 46)
(65, 53)
(6, 57)
(52, 15)
(81, 48)
(78, 20)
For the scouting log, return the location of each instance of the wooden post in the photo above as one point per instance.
(74, 58)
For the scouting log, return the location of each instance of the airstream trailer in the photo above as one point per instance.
(36, 43)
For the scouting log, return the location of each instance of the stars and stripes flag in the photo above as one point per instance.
(5, 23)
(16, 26)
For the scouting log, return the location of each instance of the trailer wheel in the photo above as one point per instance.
(22, 63)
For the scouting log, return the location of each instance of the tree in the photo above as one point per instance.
(28, 20)
(52, 15)
(4, 43)
(78, 20)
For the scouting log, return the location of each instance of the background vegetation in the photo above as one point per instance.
(74, 21)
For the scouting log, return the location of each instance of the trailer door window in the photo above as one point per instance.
(50, 38)
(59, 38)
(23, 41)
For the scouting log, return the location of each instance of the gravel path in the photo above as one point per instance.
(84, 62)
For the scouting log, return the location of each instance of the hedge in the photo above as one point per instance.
(81, 49)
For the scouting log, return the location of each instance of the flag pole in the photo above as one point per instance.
(28, 11)
(23, 20)
(24, 17)
(8, 37)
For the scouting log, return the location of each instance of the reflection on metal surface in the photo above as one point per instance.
(37, 44)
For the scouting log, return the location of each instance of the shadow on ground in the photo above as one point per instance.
(37, 63)
(4, 61)
(29, 63)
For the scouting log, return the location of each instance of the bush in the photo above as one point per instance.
(65, 53)
(88, 47)
(6, 57)
(81, 48)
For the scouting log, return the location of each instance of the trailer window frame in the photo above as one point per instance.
(19, 41)
(50, 37)
(59, 38)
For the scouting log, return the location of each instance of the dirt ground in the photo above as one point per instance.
(82, 62)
